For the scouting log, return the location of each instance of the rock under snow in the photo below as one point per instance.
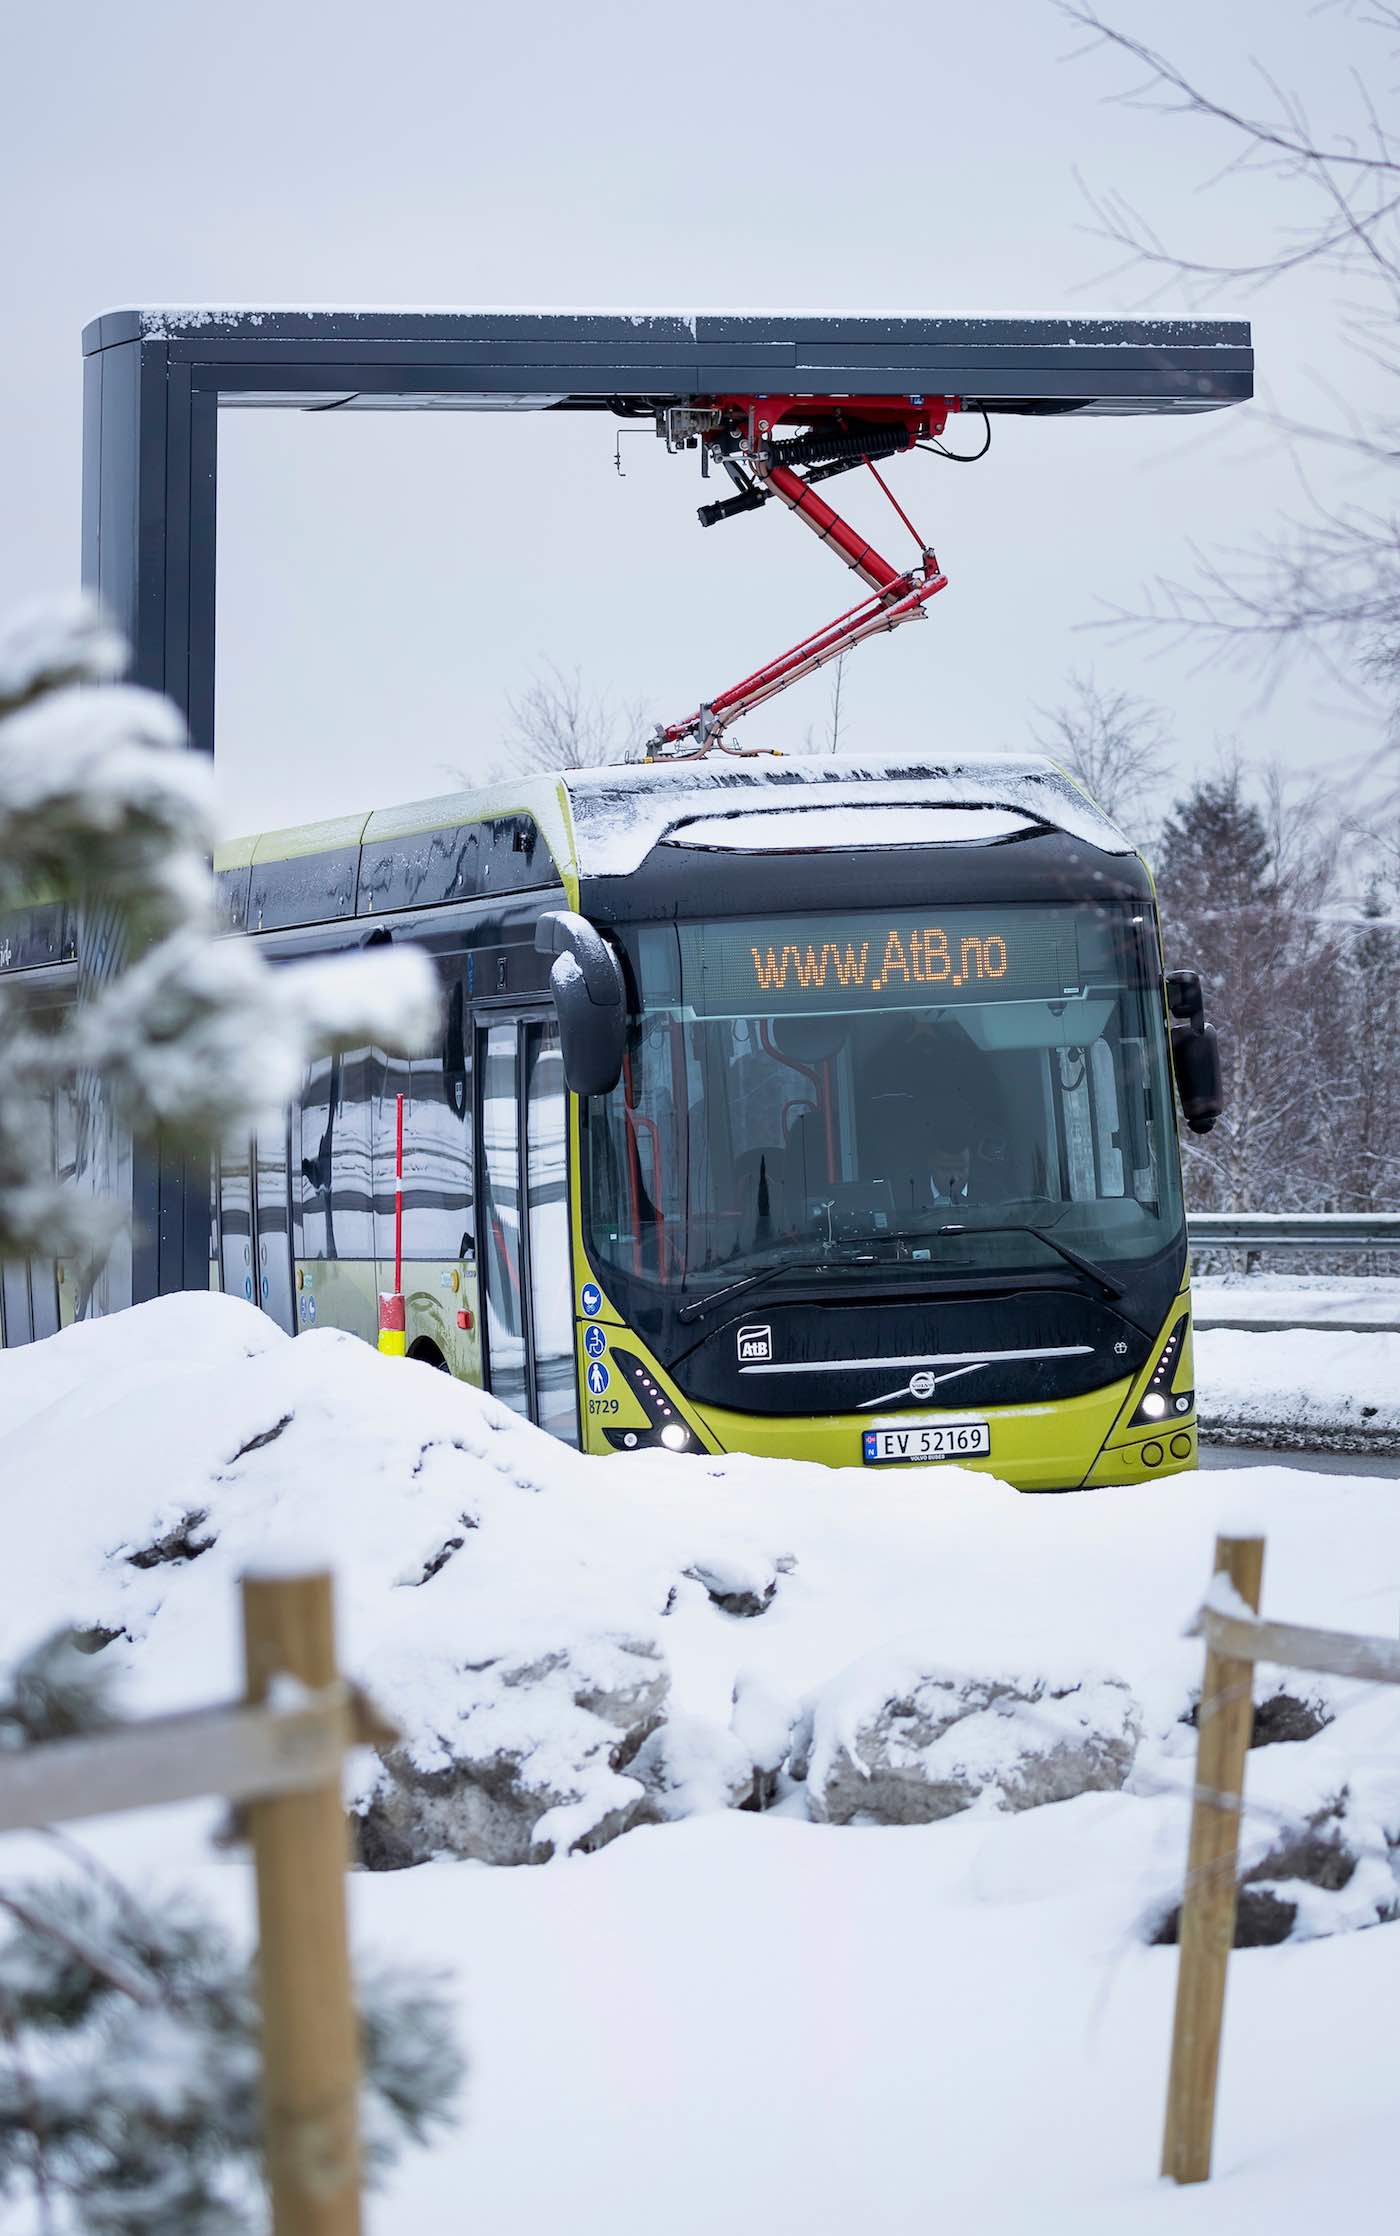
(515, 1609)
(1317, 1854)
(689, 1766)
(905, 1744)
(530, 1759)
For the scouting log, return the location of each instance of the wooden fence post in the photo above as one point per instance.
(1209, 1903)
(300, 1848)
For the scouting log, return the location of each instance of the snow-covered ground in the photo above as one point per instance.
(728, 2017)
(1312, 1300)
(1291, 1388)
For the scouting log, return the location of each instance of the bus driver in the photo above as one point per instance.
(949, 1159)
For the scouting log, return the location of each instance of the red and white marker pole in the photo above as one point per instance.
(391, 1310)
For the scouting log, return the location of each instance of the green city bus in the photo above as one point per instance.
(805, 1107)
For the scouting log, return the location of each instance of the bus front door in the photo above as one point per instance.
(523, 1229)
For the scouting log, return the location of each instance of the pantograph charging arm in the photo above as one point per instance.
(853, 434)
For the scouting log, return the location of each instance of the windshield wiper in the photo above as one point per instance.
(1110, 1287)
(819, 1261)
(811, 1261)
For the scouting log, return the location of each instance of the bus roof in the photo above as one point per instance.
(603, 822)
(767, 803)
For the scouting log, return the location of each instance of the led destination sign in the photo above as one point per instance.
(905, 959)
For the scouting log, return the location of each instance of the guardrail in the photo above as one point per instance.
(1294, 1230)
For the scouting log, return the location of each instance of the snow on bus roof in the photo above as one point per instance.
(881, 824)
(621, 813)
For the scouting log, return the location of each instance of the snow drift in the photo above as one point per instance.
(571, 1648)
(1300, 1389)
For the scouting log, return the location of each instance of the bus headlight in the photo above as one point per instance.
(663, 1426)
(1159, 1400)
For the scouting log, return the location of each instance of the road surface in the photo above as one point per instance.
(1311, 1463)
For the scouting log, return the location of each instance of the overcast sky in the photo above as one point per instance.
(388, 581)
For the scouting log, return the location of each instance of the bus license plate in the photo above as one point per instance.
(927, 1440)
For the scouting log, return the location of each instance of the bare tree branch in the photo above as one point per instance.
(1328, 579)
(828, 738)
(1115, 745)
(557, 722)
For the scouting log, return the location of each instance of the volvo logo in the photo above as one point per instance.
(922, 1385)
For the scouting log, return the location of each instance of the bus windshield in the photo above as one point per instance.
(921, 1087)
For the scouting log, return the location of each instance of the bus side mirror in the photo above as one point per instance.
(589, 998)
(1195, 1053)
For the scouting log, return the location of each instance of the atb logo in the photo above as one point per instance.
(755, 1344)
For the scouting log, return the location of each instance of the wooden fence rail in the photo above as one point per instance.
(1234, 1643)
(283, 1756)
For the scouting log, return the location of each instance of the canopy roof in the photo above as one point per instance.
(580, 360)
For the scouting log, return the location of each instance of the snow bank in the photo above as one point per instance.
(1320, 1389)
(575, 1648)
(1269, 1301)
(780, 2006)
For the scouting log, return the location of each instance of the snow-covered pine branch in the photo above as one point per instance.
(103, 807)
(129, 2064)
(130, 2029)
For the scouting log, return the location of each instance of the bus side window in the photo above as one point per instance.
(437, 1147)
(1072, 1067)
(16, 1324)
(313, 1142)
(1106, 1119)
(236, 1222)
(393, 1076)
(1143, 1145)
(352, 1179)
(334, 1193)
(605, 1144)
(442, 1084)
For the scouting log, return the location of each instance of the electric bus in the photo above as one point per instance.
(805, 1107)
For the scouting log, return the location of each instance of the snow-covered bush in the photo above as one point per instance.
(195, 1037)
(130, 2066)
(129, 2030)
(129, 2062)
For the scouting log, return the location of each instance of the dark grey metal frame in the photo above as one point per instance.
(156, 380)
